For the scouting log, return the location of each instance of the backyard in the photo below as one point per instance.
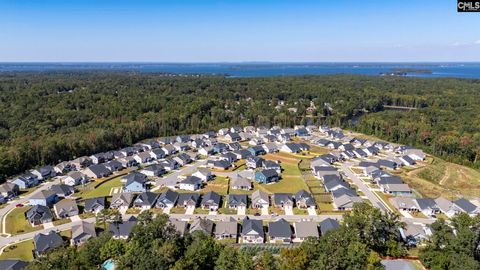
(21, 250)
(16, 223)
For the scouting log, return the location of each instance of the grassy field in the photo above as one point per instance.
(103, 189)
(22, 251)
(16, 223)
(440, 178)
(219, 185)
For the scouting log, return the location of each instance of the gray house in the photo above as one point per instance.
(252, 231)
(39, 214)
(66, 208)
(145, 200)
(82, 232)
(94, 205)
(226, 229)
(46, 242)
(305, 229)
(167, 199)
(280, 231)
(202, 225)
(211, 201)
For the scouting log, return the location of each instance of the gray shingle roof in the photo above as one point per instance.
(279, 228)
(328, 224)
(45, 242)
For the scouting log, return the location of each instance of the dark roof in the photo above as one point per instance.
(386, 163)
(99, 169)
(424, 203)
(45, 242)
(328, 224)
(234, 199)
(123, 228)
(279, 228)
(344, 191)
(92, 202)
(335, 182)
(62, 189)
(168, 196)
(280, 198)
(252, 224)
(302, 194)
(221, 164)
(135, 177)
(389, 180)
(12, 264)
(465, 205)
(187, 196)
(192, 180)
(145, 198)
(39, 212)
(269, 173)
(211, 198)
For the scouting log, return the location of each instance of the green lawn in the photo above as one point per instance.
(16, 222)
(219, 185)
(22, 251)
(290, 184)
(102, 190)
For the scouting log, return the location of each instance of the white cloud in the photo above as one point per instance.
(477, 42)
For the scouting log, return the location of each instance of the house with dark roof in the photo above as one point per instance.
(44, 172)
(43, 197)
(13, 264)
(235, 201)
(291, 148)
(25, 181)
(233, 137)
(328, 224)
(387, 164)
(188, 199)
(242, 154)
(170, 164)
(122, 201)
(167, 199)
(9, 190)
(304, 230)
(254, 162)
(127, 162)
(219, 164)
(252, 231)
(46, 242)
(334, 183)
(272, 165)
(82, 232)
(145, 200)
(280, 231)
(66, 208)
(94, 205)
(38, 215)
(240, 183)
(122, 230)
(304, 200)
(191, 183)
(135, 182)
(202, 225)
(267, 176)
(62, 190)
(257, 150)
(282, 200)
(153, 170)
(180, 226)
(211, 201)
(204, 174)
(75, 178)
(97, 171)
(466, 207)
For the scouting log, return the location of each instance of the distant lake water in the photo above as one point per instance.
(436, 70)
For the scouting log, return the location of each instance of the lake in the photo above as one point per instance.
(455, 70)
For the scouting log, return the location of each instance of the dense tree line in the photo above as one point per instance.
(48, 117)
(365, 236)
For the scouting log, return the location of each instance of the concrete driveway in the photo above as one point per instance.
(190, 210)
(241, 210)
(265, 211)
(288, 210)
(312, 211)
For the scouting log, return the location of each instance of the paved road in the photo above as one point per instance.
(222, 217)
(364, 188)
(171, 179)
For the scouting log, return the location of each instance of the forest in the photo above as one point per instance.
(50, 117)
(365, 236)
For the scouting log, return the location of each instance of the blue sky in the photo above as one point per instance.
(242, 30)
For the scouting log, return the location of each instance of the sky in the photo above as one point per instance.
(237, 31)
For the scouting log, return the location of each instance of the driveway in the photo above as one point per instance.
(171, 179)
(167, 210)
(288, 210)
(265, 211)
(190, 210)
(312, 211)
(75, 218)
(241, 210)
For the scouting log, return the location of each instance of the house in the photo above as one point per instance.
(427, 206)
(220, 147)
(328, 224)
(122, 230)
(466, 207)
(270, 147)
(254, 162)
(301, 132)
(240, 182)
(81, 162)
(230, 157)
(46, 242)
(13, 264)
(396, 189)
(304, 200)
(242, 154)
(97, 171)
(204, 174)
(188, 199)
(235, 146)
(414, 234)
(198, 143)
(127, 162)
(135, 182)
(260, 199)
(345, 202)
(211, 201)
(39, 214)
(334, 145)
(44, 172)
(145, 200)
(331, 183)
(183, 138)
(143, 157)
(256, 150)
(266, 176)
(290, 148)
(252, 231)
(226, 229)
(233, 137)
(405, 204)
(170, 164)
(66, 208)
(346, 147)
(283, 200)
(82, 232)
(169, 149)
(220, 164)
(25, 181)
(371, 151)
(9, 190)
(183, 159)
(94, 205)
(415, 154)
(97, 158)
(62, 190)
(64, 167)
(180, 226)
(128, 151)
(43, 197)
(75, 178)
(157, 153)
(153, 170)
(321, 171)
(387, 164)
(191, 183)
(305, 229)
(206, 151)
(167, 199)
(407, 161)
(272, 165)
(360, 153)
(236, 201)
(122, 201)
(202, 225)
(280, 231)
